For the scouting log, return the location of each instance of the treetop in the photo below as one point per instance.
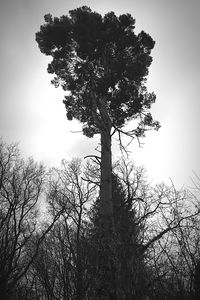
(100, 61)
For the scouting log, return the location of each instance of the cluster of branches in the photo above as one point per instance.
(156, 251)
(21, 188)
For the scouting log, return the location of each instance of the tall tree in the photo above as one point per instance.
(103, 65)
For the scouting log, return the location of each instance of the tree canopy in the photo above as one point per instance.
(102, 64)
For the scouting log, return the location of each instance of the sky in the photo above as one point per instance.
(31, 109)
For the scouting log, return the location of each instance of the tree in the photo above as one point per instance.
(176, 244)
(70, 190)
(103, 65)
(21, 186)
(63, 270)
(156, 234)
(70, 270)
(166, 224)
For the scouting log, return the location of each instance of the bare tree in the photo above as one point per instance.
(21, 187)
(61, 263)
(169, 235)
(157, 236)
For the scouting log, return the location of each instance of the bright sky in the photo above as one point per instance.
(31, 109)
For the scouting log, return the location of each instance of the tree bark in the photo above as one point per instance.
(106, 266)
(106, 207)
(104, 124)
(106, 287)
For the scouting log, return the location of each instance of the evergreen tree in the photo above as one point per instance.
(103, 65)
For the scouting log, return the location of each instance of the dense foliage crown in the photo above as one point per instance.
(99, 59)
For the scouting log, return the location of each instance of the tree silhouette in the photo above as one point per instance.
(103, 65)
(21, 187)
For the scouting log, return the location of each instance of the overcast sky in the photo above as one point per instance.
(31, 109)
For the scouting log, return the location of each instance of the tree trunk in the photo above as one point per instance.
(106, 278)
(79, 274)
(105, 287)
(106, 206)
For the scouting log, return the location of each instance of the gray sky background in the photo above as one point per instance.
(31, 109)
